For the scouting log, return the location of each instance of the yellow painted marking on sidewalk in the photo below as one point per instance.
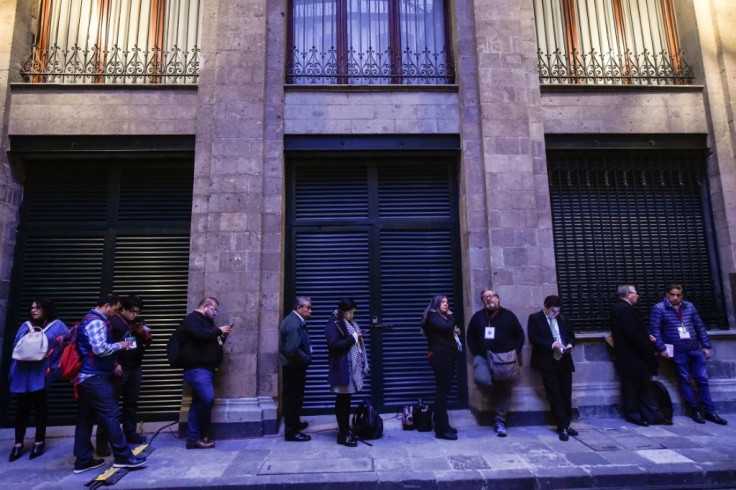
(140, 449)
(107, 474)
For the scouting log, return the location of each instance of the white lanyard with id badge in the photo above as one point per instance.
(682, 329)
(490, 331)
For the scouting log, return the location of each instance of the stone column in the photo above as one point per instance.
(715, 21)
(15, 45)
(514, 200)
(227, 242)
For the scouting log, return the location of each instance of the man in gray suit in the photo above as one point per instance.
(295, 352)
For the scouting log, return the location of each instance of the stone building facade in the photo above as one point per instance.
(243, 115)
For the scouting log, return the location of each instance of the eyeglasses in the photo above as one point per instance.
(489, 296)
(213, 308)
(306, 307)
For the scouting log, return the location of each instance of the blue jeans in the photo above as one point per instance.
(203, 399)
(694, 362)
(97, 401)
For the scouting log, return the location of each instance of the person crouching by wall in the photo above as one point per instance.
(348, 364)
(438, 325)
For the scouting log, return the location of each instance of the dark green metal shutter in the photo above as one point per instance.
(382, 231)
(92, 226)
(632, 217)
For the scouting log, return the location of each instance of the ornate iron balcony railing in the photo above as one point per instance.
(614, 69)
(112, 66)
(371, 67)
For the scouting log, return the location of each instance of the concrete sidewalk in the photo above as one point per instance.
(608, 453)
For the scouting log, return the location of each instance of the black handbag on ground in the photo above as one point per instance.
(422, 417)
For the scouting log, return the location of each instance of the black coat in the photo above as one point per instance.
(635, 352)
(339, 342)
(509, 334)
(200, 346)
(540, 336)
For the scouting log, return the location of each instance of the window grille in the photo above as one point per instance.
(366, 42)
(624, 217)
(609, 42)
(116, 41)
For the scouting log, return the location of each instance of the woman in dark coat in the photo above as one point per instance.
(438, 325)
(348, 364)
(28, 379)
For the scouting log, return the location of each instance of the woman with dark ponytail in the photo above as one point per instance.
(438, 325)
(28, 379)
(348, 364)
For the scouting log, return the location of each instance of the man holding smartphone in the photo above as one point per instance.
(201, 349)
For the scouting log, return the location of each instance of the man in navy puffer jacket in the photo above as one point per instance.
(674, 321)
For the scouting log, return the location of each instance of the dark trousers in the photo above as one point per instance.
(97, 401)
(294, 380)
(638, 402)
(202, 383)
(129, 386)
(342, 413)
(558, 386)
(37, 400)
(443, 365)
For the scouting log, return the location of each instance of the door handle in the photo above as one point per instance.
(380, 326)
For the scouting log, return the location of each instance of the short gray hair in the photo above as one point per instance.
(625, 289)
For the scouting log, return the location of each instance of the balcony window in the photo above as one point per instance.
(366, 42)
(609, 42)
(116, 41)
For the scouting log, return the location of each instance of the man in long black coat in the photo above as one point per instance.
(552, 338)
(635, 359)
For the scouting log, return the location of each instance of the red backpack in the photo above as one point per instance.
(65, 359)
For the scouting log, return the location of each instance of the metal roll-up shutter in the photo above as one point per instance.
(636, 217)
(384, 232)
(114, 225)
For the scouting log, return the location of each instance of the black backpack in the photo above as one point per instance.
(422, 417)
(660, 393)
(367, 423)
(173, 349)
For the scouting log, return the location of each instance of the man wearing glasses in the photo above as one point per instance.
(201, 350)
(494, 329)
(635, 359)
(552, 338)
(295, 352)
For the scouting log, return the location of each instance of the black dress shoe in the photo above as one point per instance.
(452, 429)
(662, 421)
(298, 437)
(302, 425)
(715, 418)
(136, 439)
(15, 453)
(698, 417)
(564, 435)
(639, 422)
(37, 450)
(572, 431)
(447, 435)
(347, 440)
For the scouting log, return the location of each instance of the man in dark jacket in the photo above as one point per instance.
(295, 352)
(635, 359)
(497, 330)
(552, 337)
(201, 351)
(676, 322)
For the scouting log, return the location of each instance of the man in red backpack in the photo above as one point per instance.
(96, 393)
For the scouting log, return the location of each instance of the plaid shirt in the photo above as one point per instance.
(97, 334)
